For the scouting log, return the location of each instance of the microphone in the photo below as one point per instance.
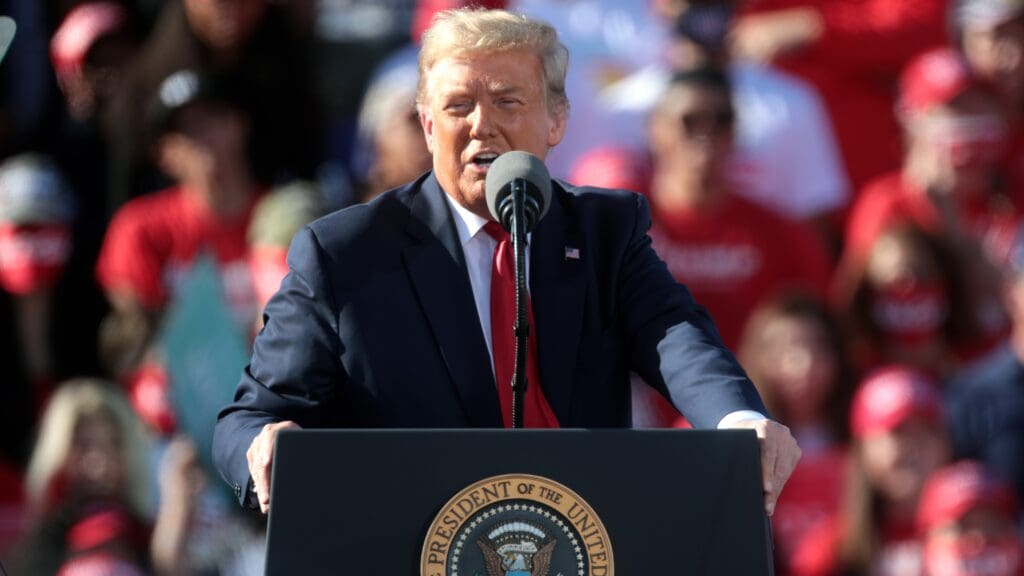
(512, 170)
(518, 190)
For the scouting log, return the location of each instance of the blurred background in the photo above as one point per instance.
(840, 182)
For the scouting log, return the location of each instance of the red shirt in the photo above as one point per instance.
(737, 254)
(890, 200)
(855, 66)
(811, 497)
(153, 240)
(900, 552)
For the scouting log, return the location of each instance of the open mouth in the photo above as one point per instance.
(483, 160)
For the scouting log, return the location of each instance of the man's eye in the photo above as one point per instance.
(458, 107)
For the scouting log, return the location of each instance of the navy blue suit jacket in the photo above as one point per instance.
(376, 326)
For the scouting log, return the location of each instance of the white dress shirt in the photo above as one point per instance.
(478, 249)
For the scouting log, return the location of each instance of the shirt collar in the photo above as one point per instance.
(467, 224)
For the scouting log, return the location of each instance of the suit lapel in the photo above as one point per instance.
(557, 290)
(436, 268)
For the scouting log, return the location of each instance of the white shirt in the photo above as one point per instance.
(478, 249)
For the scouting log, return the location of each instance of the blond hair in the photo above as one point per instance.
(476, 31)
(73, 402)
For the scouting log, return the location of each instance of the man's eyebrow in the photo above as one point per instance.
(499, 89)
(453, 92)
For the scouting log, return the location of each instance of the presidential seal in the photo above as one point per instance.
(517, 525)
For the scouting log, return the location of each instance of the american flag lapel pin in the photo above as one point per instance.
(572, 253)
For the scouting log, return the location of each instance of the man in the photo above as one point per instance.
(990, 34)
(384, 319)
(986, 400)
(730, 252)
(785, 156)
(200, 137)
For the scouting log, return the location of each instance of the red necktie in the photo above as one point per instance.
(536, 411)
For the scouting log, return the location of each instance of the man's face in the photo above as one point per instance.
(996, 54)
(224, 24)
(479, 106)
(693, 130)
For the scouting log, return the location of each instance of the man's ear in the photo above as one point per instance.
(427, 122)
(558, 118)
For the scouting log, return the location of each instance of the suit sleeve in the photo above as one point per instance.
(674, 344)
(295, 368)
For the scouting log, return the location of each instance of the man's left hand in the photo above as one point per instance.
(779, 455)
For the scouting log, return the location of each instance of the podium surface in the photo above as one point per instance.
(627, 502)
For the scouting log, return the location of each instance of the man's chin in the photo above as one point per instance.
(473, 196)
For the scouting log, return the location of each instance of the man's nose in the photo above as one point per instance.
(481, 122)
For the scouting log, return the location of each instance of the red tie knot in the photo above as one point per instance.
(495, 231)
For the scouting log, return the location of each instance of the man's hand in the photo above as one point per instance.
(779, 455)
(770, 35)
(260, 457)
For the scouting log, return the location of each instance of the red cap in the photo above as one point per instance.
(32, 257)
(79, 31)
(933, 78)
(148, 391)
(889, 397)
(955, 490)
(102, 526)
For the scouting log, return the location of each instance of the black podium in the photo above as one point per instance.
(517, 503)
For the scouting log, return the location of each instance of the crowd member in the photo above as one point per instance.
(949, 184)
(852, 52)
(728, 251)
(898, 441)
(251, 45)
(90, 50)
(794, 352)
(389, 130)
(955, 140)
(200, 138)
(90, 507)
(277, 217)
(907, 302)
(990, 34)
(785, 156)
(37, 212)
(967, 519)
(986, 400)
(88, 487)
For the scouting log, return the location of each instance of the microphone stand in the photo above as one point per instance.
(522, 324)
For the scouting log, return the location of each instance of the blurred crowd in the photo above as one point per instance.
(840, 183)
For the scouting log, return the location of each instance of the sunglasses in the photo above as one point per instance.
(708, 121)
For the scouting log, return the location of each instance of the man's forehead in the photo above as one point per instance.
(495, 72)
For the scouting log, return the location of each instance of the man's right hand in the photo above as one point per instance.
(260, 457)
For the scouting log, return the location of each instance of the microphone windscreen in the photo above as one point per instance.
(518, 164)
